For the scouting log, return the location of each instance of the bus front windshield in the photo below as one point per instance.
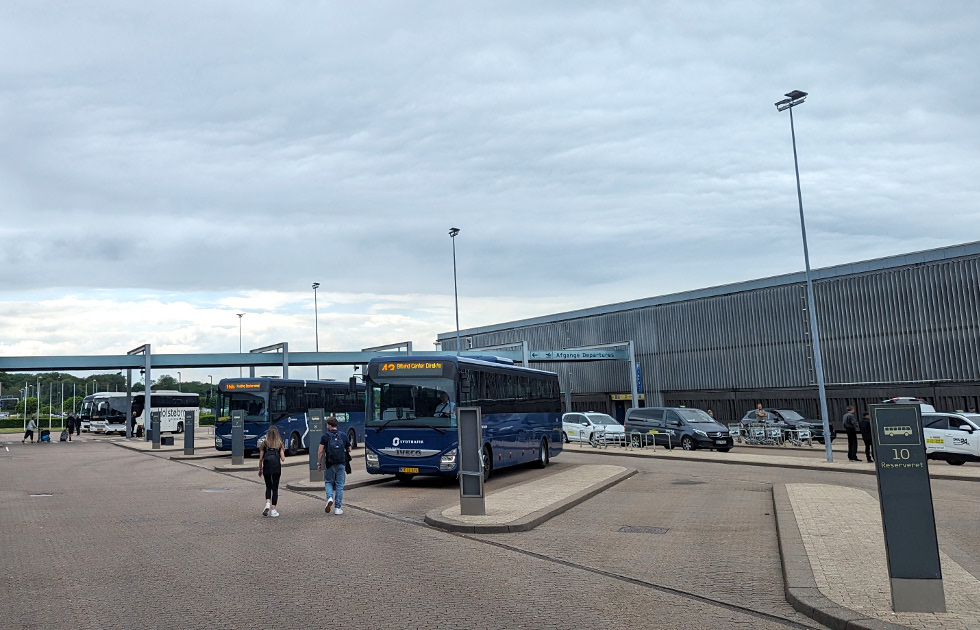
(405, 402)
(111, 409)
(253, 404)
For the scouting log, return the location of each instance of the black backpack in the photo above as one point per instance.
(271, 461)
(335, 453)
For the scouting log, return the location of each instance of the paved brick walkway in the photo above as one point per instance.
(129, 539)
(841, 530)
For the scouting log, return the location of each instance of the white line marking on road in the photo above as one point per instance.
(42, 495)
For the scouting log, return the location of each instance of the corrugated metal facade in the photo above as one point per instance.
(912, 318)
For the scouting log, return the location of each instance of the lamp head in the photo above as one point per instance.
(316, 285)
(453, 232)
(792, 99)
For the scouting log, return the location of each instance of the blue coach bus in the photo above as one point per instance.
(410, 426)
(285, 403)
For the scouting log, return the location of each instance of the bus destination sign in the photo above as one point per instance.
(411, 368)
(232, 387)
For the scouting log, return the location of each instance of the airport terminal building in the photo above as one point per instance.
(905, 325)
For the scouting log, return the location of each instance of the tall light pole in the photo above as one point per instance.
(210, 388)
(452, 235)
(316, 325)
(240, 316)
(793, 99)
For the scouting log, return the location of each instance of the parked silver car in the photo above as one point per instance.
(589, 426)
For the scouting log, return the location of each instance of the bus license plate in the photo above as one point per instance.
(409, 470)
(721, 442)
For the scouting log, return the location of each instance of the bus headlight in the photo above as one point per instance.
(371, 458)
(448, 460)
(217, 442)
(259, 442)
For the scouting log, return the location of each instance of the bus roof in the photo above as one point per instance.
(140, 392)
(275, 379)
(481, 361)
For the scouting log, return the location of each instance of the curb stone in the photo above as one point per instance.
(801, 587)
(435, 517)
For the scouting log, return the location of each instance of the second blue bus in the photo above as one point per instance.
(285, 403)
(410, 423)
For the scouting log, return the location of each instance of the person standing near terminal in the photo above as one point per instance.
(271, 456)
(851, 426)
(760, 415)
(331, 458)
(78, 425)
(70, 425)
(29, 432)
(866, 436)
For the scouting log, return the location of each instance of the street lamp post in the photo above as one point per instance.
(240, 316)
(793, 99)
(210, 388)
(452, 235)
(316, 325)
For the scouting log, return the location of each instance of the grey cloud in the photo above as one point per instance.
(577, 147)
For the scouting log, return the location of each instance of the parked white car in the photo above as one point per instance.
(954, 437)
(592, 427)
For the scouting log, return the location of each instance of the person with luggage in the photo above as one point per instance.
(851, 426)
(331, 458)
(271, 455)
(29, 432)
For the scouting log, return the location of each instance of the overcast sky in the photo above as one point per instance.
(166, 165)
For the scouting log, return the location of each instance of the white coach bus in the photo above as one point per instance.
(105, 412)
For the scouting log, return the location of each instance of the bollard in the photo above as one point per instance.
(315, 426)
(188, 433)
(237, 437)
(155, 428)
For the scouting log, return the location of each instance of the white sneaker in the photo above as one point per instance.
(338, 511)
(265, 512)
(329, 505)
(273, 513)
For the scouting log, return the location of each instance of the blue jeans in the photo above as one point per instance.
(334, 478)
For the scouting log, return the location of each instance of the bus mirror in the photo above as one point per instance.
(353, 384)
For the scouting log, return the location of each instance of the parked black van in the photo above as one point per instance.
(687, 428)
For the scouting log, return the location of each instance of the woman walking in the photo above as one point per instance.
(271, 456)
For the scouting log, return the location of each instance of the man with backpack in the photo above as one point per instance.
(332, 460)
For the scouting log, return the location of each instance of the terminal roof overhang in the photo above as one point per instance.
(825, 273)
(230, 360)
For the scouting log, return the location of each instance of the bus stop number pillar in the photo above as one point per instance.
(155, 428)
(907, 517)
(314, 435)
(471, 497)
(188, 433)
(237, 437)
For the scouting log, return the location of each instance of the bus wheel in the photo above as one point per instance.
(180, 427)
(403, 477)
(294, 444)
(487, 463)
(352, 438)
(544, 456)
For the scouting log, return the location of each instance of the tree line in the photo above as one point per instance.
(65, 391)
